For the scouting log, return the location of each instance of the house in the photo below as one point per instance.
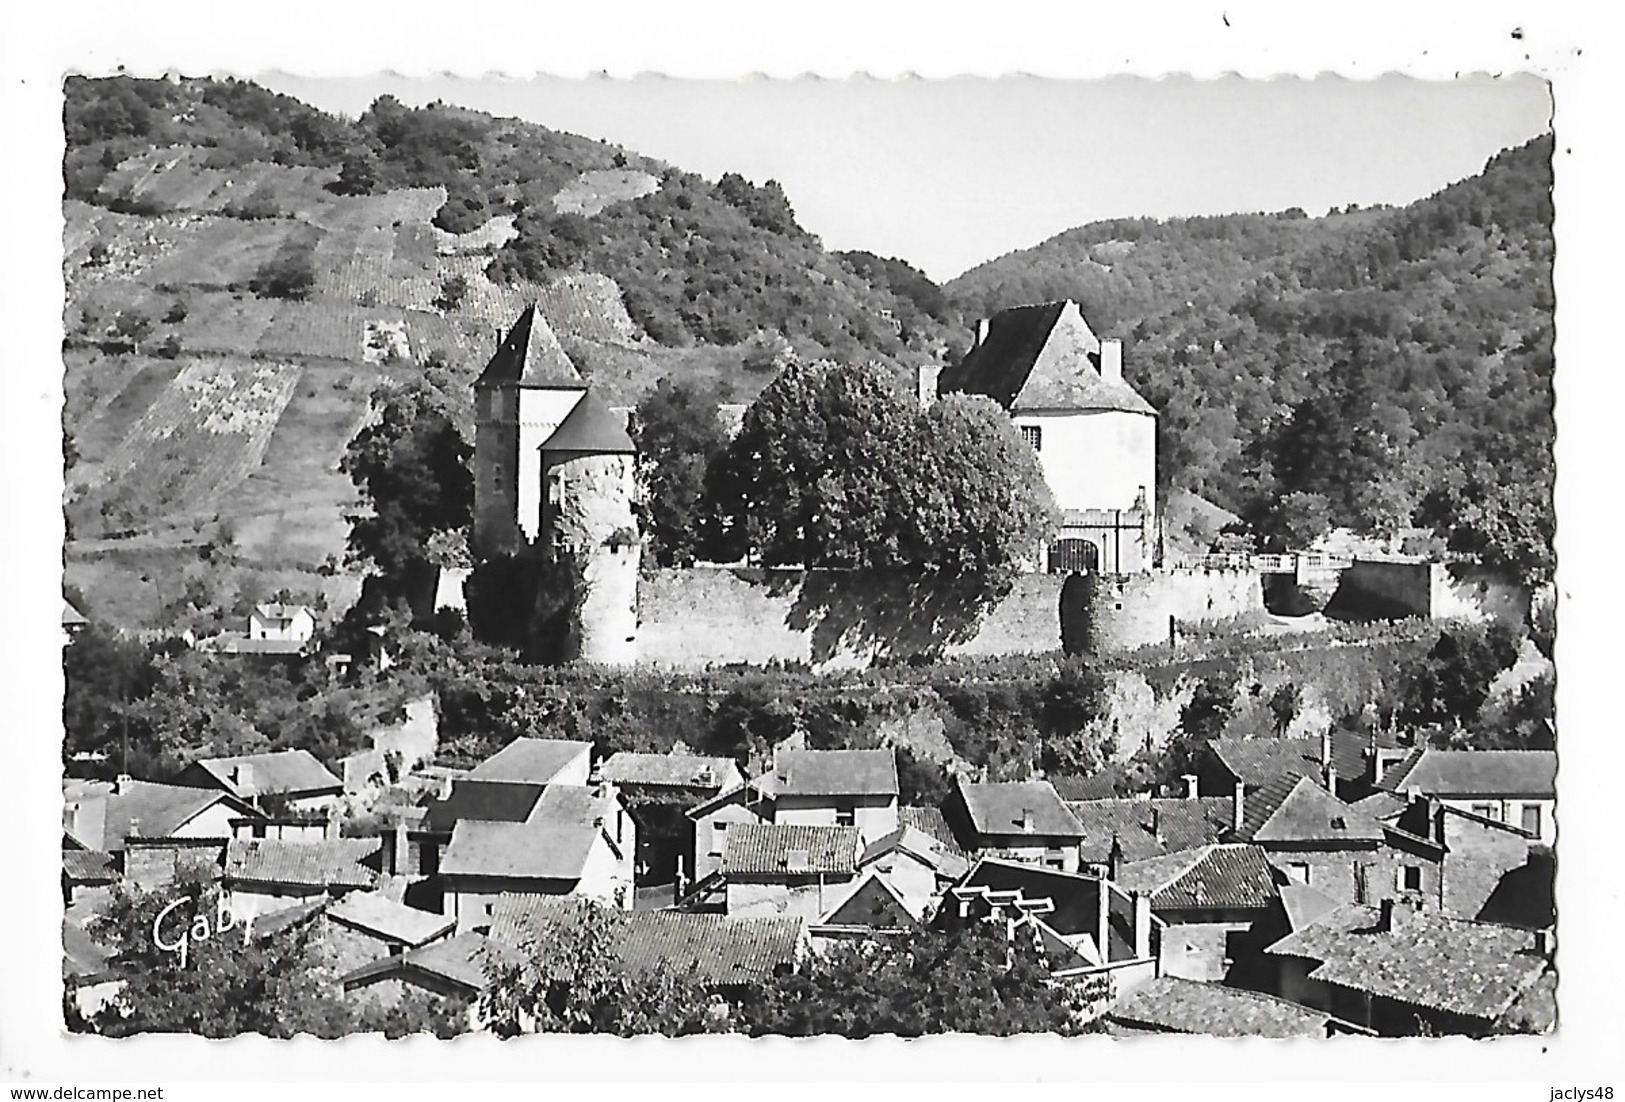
(1347, 762)
(576, 841)
(368, 926)
(871, 909)
(537, 761)
(856, 788)
(452, 967)
(1143, 828)
(1480, 855)
(1086, 924)
(104, 817)
(783, 868)
(914, 866)
(1314, 838)
(85, 872)
(526, 391)
(1096, 438)
(658, 790)
(263, 876)
(292, 778)
(281, 623)
(1208, 899)
(1517, 787)
(1020, 820)
(724, 953)
(1401, 970)
(1173, 1004)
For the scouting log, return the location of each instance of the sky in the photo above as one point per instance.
(950, 173)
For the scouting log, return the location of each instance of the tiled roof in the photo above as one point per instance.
(537, 850)
(1212, 877)
(329, 863)
(1429, 960)
(486, 801)
(948, 862)
(714, 949)
(783, 849)
(1382, 805)
(88, 866)
(530, 760)
(1169, 1004)
(1096, 786)
(530, 355)
(282, 612)
(1257, 761)
(1000, 809)
(1303, 905)
(590, 427)
(459, 960)
(158, 809)
(1296, 809)
(1461, 773)
(835, 773)
(377, 914)
(1145, 828)
(667, 770)
(282, 771)
(1052, 338)
(930, 821)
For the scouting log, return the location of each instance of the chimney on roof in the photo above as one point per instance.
(797, 860)
(1190, 786)
(1142, 926)
(445, 786)
(1398, 914)
(1114, 858)
(1238, 807)
(1111, 361)
(398, 853)
(926, 382)
(121, 784)
(1026, 820)
(981, 334)
(242, 778)
(331, 830)
(1326, 748)
(1156, 823)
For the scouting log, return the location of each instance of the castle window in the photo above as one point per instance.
(1033, 435)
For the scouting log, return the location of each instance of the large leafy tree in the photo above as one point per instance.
(836, 466)
(970, 980)
(411, 466)
(678, 434)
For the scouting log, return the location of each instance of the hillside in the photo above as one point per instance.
(1377, 368)
(243, 270)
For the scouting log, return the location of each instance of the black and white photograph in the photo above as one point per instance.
(808, 557)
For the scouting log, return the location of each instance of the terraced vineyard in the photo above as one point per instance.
(205, 432)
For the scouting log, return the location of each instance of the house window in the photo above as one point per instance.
(845, 815)
(1033, 435)
(719, 835)
(1362, 883)
(1486, 811)
(1531, 819)
(1411, 878)
(1298, 872)
(1054, 859)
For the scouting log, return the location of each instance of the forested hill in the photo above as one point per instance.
(1375, 368)
(697, 261)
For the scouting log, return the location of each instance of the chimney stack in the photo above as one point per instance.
(1397, 914)
(1111, 361)
(1026, 820)
(1156, 824)
(1114, 859)
(1142, 926)
(981, 334)
(398, 853)
(1238, 807)
(1190, 786)
(331, 831)
(242, 776)
(121, 784)
(445, 786)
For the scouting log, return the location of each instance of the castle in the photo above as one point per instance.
(555, 482)
(555, 478)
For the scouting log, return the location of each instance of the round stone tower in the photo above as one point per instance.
(588, 521)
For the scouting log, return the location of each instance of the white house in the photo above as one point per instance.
(1515, 787)
(282, 623)
(1096, 437)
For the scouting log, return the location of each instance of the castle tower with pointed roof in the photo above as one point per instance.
(527, 390)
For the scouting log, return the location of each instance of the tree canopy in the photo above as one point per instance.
(678, 435)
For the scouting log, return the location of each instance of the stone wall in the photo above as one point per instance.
(831, 619)
(1102, 613)
(1399, 587)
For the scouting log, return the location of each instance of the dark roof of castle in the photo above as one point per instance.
(530, 355)
(1147, 828)
(1000, 808)
(485, 801)
(591, 427)
(1011, 366)
(1211, 877)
